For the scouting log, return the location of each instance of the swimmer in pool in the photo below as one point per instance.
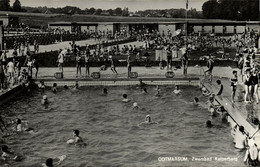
(65, 87)
(135, 105)
(22, 126)
(196, 100)
(9, 155)
(145, 90)
(45, 100)
(49, 162)
(105, 91)
(125, 99)
(177, 91)
(205, 92)
(141, 84)
(77, 138)
(213, 112)
(41, 85)
(54, 88)
(209, 124)
(148, 120)
(76, 86)
(158, 91)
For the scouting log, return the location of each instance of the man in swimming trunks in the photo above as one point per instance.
(210, 67)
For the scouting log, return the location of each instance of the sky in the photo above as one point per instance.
(133, 5)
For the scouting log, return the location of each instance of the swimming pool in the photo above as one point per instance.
(110, 128)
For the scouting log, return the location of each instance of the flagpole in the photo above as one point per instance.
(186, 24)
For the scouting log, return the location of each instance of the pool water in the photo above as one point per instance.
(110, 128)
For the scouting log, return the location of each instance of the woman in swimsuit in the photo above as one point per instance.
(234, 80)
(247, 84)
(254, 78)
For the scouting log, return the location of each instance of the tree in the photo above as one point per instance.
(118, 11)
(91, 10)
(110, 11)
(4, 5)
(209, 9)
(98, 12)
(17, 6)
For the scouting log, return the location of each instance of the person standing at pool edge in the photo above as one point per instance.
(254, 79)
(60, 61)
(234, 80)
(87, 65)
(210, 67)
(129, 67)
(185, 62)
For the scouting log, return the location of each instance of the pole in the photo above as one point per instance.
(186, 24)
(1, 37)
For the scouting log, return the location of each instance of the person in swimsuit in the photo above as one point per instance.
(234, 80)
(247, 83)
(254, 79)
(77, 138)
(87, 63)
(177, 90)
(251, 155)
(210, 67)
(196, 100)
(7, 154)
(125, 99)
(44, 100)
(10, 72)
(57, 161)
(78, 65)
(105, 91)
(113, 67)
(54, 88)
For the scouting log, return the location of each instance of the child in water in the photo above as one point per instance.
(135, 105)
(54, 88)
(148, 120)
(158, 91)
(125, 99)
(205, 92)
(44, 100)
(177, 91)
(105, 91)
(22, 126)
(77, 138)
(196, 100)
(9, 155)
(41, 85)
(49, 162)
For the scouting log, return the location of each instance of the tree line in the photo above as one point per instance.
(5, 6)
(231, 9)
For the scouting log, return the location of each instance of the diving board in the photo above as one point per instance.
(234, 110)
